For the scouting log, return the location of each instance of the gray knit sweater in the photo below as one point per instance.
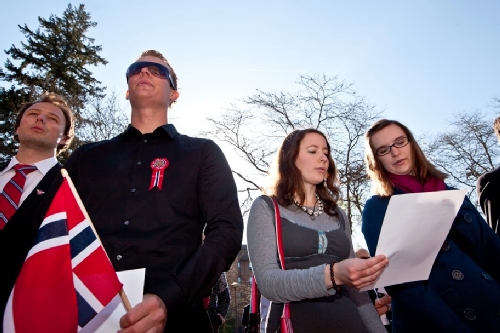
(296, 284)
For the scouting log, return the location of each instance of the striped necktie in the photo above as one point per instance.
(11, 195)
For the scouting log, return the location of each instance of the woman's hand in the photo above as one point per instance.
(382, 304)
(356, 272)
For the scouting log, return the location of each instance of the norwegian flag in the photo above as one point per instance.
(67, 277)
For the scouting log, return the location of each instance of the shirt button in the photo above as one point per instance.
(119, 257)
(470, 314)
(487, 276)
(145, 141)
(126, 222)
(132, 190)
(139, 162)
(467, 218)
(457, 275)
(445, 246)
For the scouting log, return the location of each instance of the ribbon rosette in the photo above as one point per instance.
(158, 165)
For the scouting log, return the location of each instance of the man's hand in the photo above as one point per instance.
(149, 316)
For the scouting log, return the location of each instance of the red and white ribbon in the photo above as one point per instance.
(158, 165)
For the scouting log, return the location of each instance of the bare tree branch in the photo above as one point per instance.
(103, 119)
(467, 150)
(256, 129)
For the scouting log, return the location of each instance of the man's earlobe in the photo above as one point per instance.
(126, 95)
(174, 94)
(63, 140)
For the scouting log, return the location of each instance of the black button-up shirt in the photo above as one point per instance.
(161, 230)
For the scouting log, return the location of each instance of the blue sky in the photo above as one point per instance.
(420, 60)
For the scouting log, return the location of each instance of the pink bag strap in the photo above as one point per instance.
(279, 239)
(254, 298)
(281, 254)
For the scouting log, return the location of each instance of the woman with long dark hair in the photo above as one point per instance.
(322, 276)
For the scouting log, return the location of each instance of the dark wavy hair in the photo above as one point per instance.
(289, 182)
(422, 168)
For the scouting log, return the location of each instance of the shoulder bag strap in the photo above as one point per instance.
(279, 239)
(281, 255)
(254, 299)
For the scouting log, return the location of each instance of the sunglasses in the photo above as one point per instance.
(154, 68)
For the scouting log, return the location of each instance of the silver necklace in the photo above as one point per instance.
(311, 212)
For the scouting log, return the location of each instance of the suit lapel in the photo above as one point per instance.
(27, 208)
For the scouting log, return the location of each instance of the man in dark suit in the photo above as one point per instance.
(488, 191)
(43, 128)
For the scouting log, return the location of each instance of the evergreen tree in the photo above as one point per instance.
(10, 101)
(55, 57)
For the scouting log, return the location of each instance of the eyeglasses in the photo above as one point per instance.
(154, 68)
(399, 143)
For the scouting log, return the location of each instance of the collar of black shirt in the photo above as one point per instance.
(133, 134)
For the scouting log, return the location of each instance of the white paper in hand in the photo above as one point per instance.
(414, 229)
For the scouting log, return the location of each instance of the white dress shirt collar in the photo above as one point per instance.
(43, 166)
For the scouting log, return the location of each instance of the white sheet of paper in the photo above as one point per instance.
(108, 320)
(414, 229)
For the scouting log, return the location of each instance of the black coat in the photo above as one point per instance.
(488, 193)
(462, 293)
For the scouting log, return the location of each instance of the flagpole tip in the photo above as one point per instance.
(64, 172)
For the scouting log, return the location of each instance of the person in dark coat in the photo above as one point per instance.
(219, 301)
(488, 191)
(462, 293)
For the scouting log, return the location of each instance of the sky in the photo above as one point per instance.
(420, 61)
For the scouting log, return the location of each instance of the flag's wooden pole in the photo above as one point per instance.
(64, 173)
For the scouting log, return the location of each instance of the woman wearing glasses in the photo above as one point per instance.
(462, 293)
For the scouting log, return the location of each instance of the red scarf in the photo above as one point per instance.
(410, 184)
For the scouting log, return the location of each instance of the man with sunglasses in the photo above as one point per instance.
(149, 192)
